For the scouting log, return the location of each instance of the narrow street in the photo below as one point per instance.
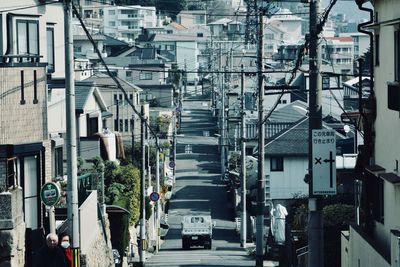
(199, 191)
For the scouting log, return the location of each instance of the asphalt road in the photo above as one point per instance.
(198, 190)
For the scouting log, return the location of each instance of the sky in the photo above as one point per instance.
(349, 8)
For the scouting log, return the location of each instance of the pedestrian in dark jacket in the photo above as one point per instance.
(65, 246)
(50, 255)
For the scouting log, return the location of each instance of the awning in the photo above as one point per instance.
(390, 177)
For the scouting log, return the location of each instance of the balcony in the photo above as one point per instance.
(20, 58)
(130, 17)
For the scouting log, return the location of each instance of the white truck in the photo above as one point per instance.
(197, 231)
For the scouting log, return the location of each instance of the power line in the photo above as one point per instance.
(16, 8)
(109, 72)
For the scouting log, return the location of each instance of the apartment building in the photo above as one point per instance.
(125, 22)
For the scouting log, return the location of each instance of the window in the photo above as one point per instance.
(397, 55)
(111, 12)
(199, 34)
(50, 49)
(58, 162)
(126, 125)
(111, 23)
(129, 74)
(378, 204)
(11, 172)
(115, 99)
(145, 76)
(169, 47)
(27, 37)
(276, 164)
(77, 49)
(121, 125)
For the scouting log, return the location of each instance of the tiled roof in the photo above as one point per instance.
(292, 141)
(82, 93)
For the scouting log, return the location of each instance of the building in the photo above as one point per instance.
(375, 241)
(125, 22)
(92, 12)
(124, 119)
(340, 52)
(188, 18)
(29, 61)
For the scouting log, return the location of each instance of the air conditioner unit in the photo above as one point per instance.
(394, 96)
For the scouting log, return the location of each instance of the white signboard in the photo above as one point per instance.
(324, 162)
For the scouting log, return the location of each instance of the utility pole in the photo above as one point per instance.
(223, 125)
(133, 137)
(143, 244)
(261, 136)
(117, 115)
(158, 211)
(72, 163)
(315, 221)
(243, 220)
(185, 80)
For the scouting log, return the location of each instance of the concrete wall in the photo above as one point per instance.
(12, 229)
(95, 250)
(22, 123)
(362, 253)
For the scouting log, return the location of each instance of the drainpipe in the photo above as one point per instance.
(9, 34)
(371, 39)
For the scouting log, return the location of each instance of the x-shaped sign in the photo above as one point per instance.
(318, 161)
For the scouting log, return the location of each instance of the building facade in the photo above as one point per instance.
(375, 242)
(125, 22)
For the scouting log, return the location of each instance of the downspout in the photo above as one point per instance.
(9, 34)
(371, 39)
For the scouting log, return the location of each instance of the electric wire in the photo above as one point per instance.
(112, 76)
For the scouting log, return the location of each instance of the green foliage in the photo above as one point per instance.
(161, 125)
(338, 215)
(123, 188)
(234, 162)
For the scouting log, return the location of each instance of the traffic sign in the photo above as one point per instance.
(154, 196)
(50, 194)
(171, 164)
(324, 162)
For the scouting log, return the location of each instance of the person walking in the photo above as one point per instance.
(65, 246)
(50, 254)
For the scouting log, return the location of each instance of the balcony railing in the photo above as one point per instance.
(21, 58)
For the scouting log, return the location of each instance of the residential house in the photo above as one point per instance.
(148, 70)
(125, 22)
(113, 46)
(188, 18)
(32, 53)
(83, 47)
(124, 119)
(92, 12)
(375, 241)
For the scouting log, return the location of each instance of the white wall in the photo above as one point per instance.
(187, 52)
(362, 254)
(289, 182)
